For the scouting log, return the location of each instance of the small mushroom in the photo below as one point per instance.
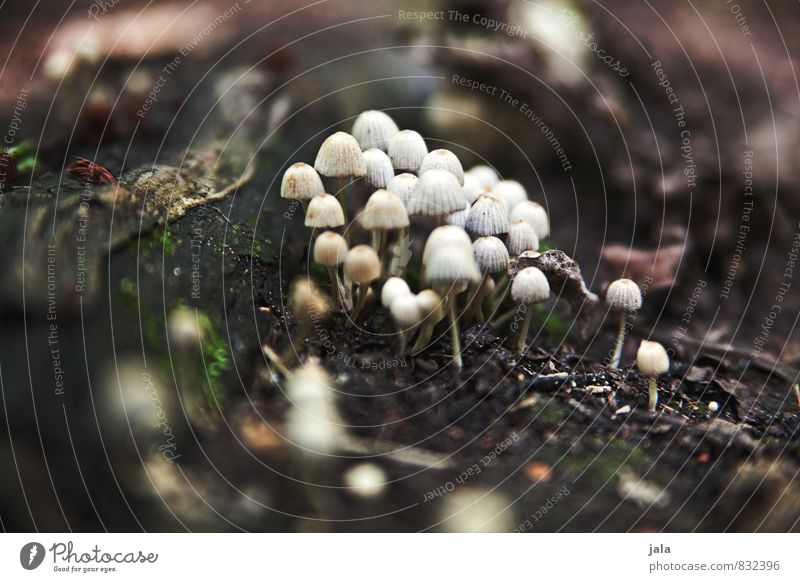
(330, 249)
(484, 175)
(324, 211)
(521, 237)
(384, 212)
(312, 423)
(340, 156)
(492, 257)
(623, 297)
(379, 168)
(488, 216)
(407, 149)
(402, 186)
(406, 314)
(529, 287)
(534, 214)
(443, 160)
(308, 305)
(437, 193)
(374, 129)
(459, 217)
(511, 192)
(301, 182)
(432, 312)
(652, 360)
(361, 266)
(393, 288)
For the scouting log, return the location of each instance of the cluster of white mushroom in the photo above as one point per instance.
(481, 224)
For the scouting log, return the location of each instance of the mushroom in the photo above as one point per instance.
(365, 480)
(407, 149)
(450, 269)
(529, 287)
(521, 237)
(511, 192)
(442, 159)
(324, 211)
(437, 193)
(534, 214)
(402, 186)
(484, 175)
(312, 423)
(624, 297)
(488, 216)
(431, 312)
(379, 168)
(330, 249)
(301, 182)
(406, 314)
(308, 305)
(652, 360)
(393, 288)
(340, 157)
(374, 129)
(361, 266)
(472, 188)
(459, 217)
(384, 212)
(492, 257)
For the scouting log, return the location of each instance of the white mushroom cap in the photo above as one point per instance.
(392, 289)
(491, 254)
(534, 214)
(330, 249)
(521, 237)
(340, 155)
(624, 295)
(184, 328)
(365, 480)
(459, 217)
(379, 168)
(652, 358)
(312, 421)
(362, 265)
(511, 192)
(402, 185)
(448, 235)
(430, 305)
(443, 160)
(374, 129)
(530, 286)
(301, 182)
(452, 265)
(474, 510)
(384, 211)
(407, 149)
(472, 188)
(488, 216)
(485, 175)
(324, 211)
(437, 193)
(405, 311)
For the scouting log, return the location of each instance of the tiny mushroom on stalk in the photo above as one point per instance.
(529, 287)
(511, 192)
(301, 182)
(312, 423)
(459, 217)
(437, 193)
(450, 269)
(406, 314)
(308, 304)
(374, 129)
(488, 216)
(361, 266)
(379, 168)
(407, 149)
(384, 212)
(624, 297)
(534, 214)
(652, 360)
(330, 249)
(521, 237)
(472, 188)
(484, 175)
(431, 312)
(324, 211)
(492, 257)
(443, 160)
(340, 156)
(393, 288)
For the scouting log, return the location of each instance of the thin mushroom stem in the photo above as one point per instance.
(523, 331)
(382, 236)
(617, 355)
(653, 396)
(501, 319)
(336, 284)
(362, 300)
(343, 202)
(476, 299)
(423, 337)
(402, 338)
(455, 337)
